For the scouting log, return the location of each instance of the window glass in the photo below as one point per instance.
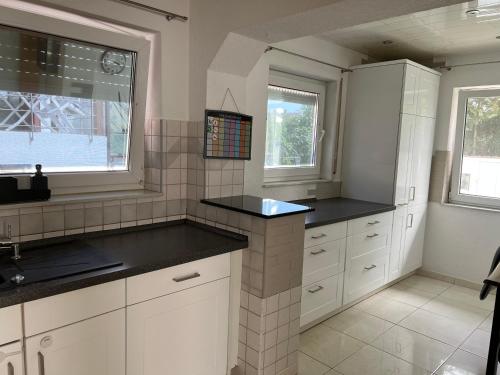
(64, 104)
(292, 121)
(480, 169)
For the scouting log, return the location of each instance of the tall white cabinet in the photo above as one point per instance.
(388, 142)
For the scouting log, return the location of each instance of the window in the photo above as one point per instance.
(476, 168)
(294, 127)
(70, 104)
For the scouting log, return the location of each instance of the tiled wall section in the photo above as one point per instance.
(269, 333)
(165, 172)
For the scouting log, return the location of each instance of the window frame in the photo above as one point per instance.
(455, 196)
(300, 83)
(90, 182)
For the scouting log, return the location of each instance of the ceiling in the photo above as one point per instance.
(425, 35)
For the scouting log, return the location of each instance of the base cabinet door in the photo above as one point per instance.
(321, 298)
(414, 238)
(95, 346)
(11, 359)
(397, 243)
(181, 333)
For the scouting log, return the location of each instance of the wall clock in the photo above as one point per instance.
(113, 62)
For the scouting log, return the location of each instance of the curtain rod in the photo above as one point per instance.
(342, 69)
(168, 15)
(450, 67)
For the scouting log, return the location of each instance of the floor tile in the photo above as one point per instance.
(456, 310)
(386, 308)
(333, 372)
(415, 348)
(442, 328)
(486, 324)
(469, 297)
(477, 343)
(375, 362)
(309, 366)
(358, 324)
(411, 296)
(426, 284)
(327, 345)
(463, 363)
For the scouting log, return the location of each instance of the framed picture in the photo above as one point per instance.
(228, 135)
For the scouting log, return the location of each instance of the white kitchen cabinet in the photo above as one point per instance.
(428, 93)
(94, 346)
(181, 333)
(406, 133)
(410, 89)
(10, 324)
(411, 255)
(398, 242)
(421, 159)
(11, 359)
(320, 298)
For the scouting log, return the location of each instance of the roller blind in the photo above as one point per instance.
(46, 64)
(282, 94)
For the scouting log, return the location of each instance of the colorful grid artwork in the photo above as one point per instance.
(228, 135)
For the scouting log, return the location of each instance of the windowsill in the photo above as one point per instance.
(478, 208)
(85, 198)
(294, 182)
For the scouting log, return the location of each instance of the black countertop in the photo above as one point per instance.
(257, 206)
(334, 210)
(140, 249)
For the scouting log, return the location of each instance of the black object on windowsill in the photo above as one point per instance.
(39, 191)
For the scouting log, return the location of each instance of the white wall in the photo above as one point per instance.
(460, 242)
(257, 105)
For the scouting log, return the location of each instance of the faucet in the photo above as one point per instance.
(6, 243)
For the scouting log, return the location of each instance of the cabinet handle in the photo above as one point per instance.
(186, 277)
(412, 193)
(373, 222)
(402, 204)
(316, 252)
(372, 235)
(41, 364)
(10, 369)
(316, 289)
(316, 236)
(371, 267)
(410, 216)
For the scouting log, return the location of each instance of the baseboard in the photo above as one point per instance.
(452, 280)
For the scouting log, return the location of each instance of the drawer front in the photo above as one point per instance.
(365, 274)
(367, 223)
(53, 312)
(367, 242)
(11, 359)
(169, 280)
(325, 233)
(10, 324)
(321, 298)
(322, 261)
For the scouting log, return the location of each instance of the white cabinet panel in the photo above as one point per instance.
(428, 92)
(414, 238)
(321, 298)
(323, 260)
(421, 159)
(181, 333)
(10, 324)
(406, 131)
(95, 346)
(11, 359)
(325, 233)
(397, 242)
(410, 89)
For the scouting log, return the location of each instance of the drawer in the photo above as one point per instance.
(53, 312)
(325, 233)
(10, 324)
(11, 359)
(321, 298)
(364, 274)
(367, 223)
(169, 280)
(322, 261)
(367, 242)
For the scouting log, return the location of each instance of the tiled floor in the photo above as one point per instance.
(418, 326)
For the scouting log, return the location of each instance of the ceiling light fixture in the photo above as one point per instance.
(472, 12)
(387, 42)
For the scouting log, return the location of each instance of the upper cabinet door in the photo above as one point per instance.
(181, 333)
(421, 159)
(428, 92)
(95, 346)
(410, 89)
(404, 153)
